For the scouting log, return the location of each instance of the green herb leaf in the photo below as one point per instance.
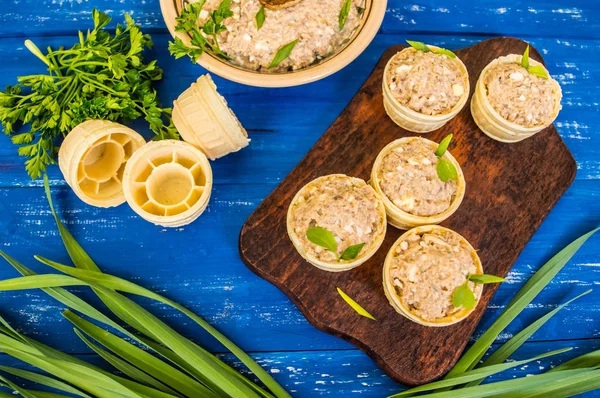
(484, 279)
(463, 297)
(282, 53)
(352, 251)
(260, 18)
(443, 146)
(355, 306)
(324, 238)
(343, 17)
(539, 71)
(525, 58)
(446, 170)
(443, 51)
(417, 45)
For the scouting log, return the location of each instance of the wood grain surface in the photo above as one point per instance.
(511, 188)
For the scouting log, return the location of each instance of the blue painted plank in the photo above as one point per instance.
(576, 18)
(349, 372)
(280, 139)
(199, 266)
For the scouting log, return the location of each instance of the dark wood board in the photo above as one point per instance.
(511, 188)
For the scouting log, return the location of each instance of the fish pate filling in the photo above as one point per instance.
(427, 268)
(348, 209)
(519, 96)
(428, 83)
(314, 23)
(409, 179)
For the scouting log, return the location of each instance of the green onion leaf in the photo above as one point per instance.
(417, 45)
(352, 251)
(443, 146)
(486, 279)
(282, 53)
(343, 17)
(260, 18)
(355, 306)
(443, 51)
(322, 237)
(525, 58)
(446, 170)
(539, 71)
(463, 297)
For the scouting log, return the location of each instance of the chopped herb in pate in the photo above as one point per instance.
(346, 207)
(427, 268)
(519, 96)
(314, 23)
(428, 83)
(408, 177)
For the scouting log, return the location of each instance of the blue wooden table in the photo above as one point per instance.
(199, 266)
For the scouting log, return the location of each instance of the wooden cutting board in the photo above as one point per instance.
(511, 188)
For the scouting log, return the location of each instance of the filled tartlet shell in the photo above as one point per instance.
(491, 122)
(412, 120)
(341, 265)
(400, 307)
(401, 219)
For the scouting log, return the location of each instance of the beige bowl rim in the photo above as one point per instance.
(374, 13)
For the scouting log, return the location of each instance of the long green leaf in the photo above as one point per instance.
(561, 387)
(125, 367)
(512, 345)
(527, 293)
(475, 374)
(141, 359)
(83, 261)
(122, 285)
(43, 380)
(22, 391)
(589, 360)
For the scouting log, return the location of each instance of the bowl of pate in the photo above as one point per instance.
(323, 45)
(422, 91)
(423, 269)
(345, 206)
(510, 104)
(405, 176)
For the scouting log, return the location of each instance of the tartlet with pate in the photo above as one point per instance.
(346, 207)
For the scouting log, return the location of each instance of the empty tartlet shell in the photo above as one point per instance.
(341, 265)
(491, 123)
(401, 219)
(412, 120)
(401, 308)
(168, 183)
(88, 143)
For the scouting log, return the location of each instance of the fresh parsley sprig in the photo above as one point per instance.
(536, 70)
(325, 238)
(188, 22)
(103, 76)
(420, 46)
(445, 169)
(464, 297)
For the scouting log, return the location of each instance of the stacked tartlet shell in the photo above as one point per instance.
(203, 119)
(401, 219)
(490, 121)
(341, 265)
(412, 120)
(92, 159)
(168, 183)
(400, 307)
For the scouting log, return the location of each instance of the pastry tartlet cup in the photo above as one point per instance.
(203, 119)
(168, 182)
(341, 265)
(92, 159)
(491, 122)
(402, 308)
(415, 121)
(401, 219)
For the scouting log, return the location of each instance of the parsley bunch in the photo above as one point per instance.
(203, 38)
(103, 76)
